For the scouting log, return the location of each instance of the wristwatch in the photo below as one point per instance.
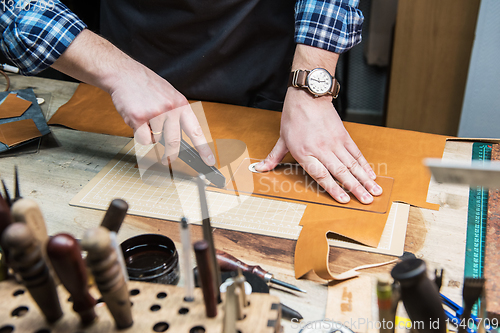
(318, 81)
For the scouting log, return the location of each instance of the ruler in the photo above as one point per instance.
(476, 221)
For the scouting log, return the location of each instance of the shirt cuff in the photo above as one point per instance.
(34, 38)
(331, 25)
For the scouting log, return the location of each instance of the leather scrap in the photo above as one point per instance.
(91, 109)
(16, 132)
(13, 106)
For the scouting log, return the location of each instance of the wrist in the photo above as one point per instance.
(310, 57)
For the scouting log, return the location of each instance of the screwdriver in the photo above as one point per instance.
(229, 263)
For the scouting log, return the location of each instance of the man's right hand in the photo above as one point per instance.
(146, 102)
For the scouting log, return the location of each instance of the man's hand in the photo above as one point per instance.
(146, 102)
(315, 136)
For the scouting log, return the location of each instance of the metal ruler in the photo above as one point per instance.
(476, 221)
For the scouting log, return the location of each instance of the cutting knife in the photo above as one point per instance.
(192, 158)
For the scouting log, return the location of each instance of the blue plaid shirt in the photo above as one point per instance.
(333, 25)
(34, 33)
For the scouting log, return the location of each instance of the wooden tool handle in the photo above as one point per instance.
(97, 242)
(205, 275)
(18, 237)
(229, 263)
(65, 255)
(25, 257)
(5, 217)
(115, 215)
(103, 261)
(28, 211)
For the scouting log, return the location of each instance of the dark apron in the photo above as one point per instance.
(234, 51)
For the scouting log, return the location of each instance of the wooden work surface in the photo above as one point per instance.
(55, 175)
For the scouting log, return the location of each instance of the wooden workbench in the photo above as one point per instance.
(56, 174)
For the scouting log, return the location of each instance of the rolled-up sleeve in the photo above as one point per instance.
(34, 36)
(331, 25)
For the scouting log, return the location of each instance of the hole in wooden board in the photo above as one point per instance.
(7, 329)
(134, 292)
(18, 292)
(70, 299)
(100, 300)
(155, 307)
(161, 295)
(43, 330)
(161, 327)
(197, 329)
(183, 310)
(19, 311)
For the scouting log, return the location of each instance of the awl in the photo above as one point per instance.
(229, 263)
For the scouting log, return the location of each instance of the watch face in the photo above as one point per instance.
(319, 81)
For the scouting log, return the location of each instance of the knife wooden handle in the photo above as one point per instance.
(65, 255)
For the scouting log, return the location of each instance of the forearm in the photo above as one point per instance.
(92, 59)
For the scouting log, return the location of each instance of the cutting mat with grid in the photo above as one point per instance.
(157, 196)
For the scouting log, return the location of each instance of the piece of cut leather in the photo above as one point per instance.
(16, 132)
(289, 181)
(91, 109)
(13, 106)
(392, 152)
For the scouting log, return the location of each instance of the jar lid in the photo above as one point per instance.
(148, 256)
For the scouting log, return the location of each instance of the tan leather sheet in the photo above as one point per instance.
(391, 152)
(91, 110)
(16, 132)
(13, 106)
(289, 181)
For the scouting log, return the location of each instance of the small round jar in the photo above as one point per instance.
(151, 258)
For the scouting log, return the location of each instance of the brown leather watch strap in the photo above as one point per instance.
(298, 78)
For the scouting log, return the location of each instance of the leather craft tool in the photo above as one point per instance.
(192, 158)
(457, 313)
(17, 190)
(205, 277)
(5, 216)
(207, 235)
(438, 278)
(231, 309)
(420, 296)
(26, 259)
(103, 261)
(6, 194)
(384, 302)
(473, 287)
(65, 254)
(186, 261)
(112, 221)
(229, 263)
(240, 280)
(28, 211)
(115, 215)
(258, 285)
